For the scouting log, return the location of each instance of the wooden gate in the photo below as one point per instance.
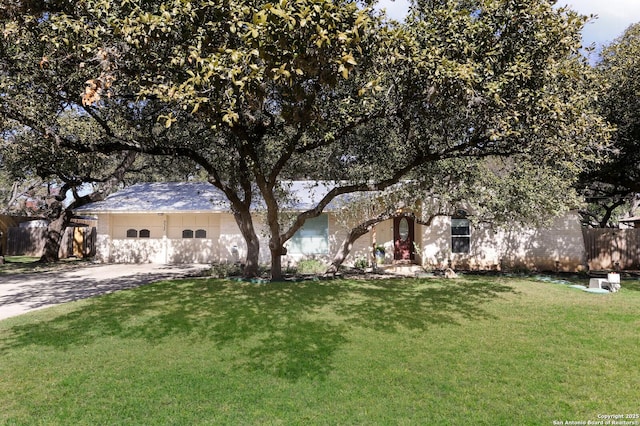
(612, 249)
(77, 241)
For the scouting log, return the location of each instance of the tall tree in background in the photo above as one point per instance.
(612, 186)
(268, 90)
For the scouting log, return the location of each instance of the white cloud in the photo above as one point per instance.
(396, 9)
(613, 17)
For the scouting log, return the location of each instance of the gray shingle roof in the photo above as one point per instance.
(168, 197)
(161, 197)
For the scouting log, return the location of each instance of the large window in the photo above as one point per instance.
(312, 238)
(460, 233)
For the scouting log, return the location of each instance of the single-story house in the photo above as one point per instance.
(631, 222)
(191, 222)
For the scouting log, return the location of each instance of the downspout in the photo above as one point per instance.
(165, 241)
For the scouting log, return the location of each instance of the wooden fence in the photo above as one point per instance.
(612, 249)
(77, 241)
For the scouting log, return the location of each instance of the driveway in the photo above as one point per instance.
(22, 293)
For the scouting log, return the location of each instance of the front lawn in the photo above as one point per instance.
(29, 264)
(476, 350)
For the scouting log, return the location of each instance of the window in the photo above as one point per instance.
(187, 233)
(132, 233)
(460, 234)
(201, 233)
(144, 233)
(312, 238)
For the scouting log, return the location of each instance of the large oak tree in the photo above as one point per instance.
(269, 90)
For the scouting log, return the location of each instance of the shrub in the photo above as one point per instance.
(311, 266)
(361, 263)
(224, 270)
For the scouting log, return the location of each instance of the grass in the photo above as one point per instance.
(477, 350)
(29, 264)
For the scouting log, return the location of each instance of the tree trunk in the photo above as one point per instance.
(245, 223)
(345, 248)
(277, 251)
(60, 215)
(55, 231)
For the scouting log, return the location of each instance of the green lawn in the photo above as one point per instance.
(476, 350)
(27, 264)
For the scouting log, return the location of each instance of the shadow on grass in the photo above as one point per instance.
(289, 330)
(633, 284)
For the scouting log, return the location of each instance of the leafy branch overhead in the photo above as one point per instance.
(256, 92)
(615, 182)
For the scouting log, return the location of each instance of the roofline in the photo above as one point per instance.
(152, 211)
(93, 212)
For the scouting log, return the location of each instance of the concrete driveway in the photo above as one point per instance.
(22, 293)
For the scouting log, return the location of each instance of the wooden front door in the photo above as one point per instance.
(403, 237)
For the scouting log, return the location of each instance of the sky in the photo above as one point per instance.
(614, 16)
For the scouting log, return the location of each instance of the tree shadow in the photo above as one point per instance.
(289, 330)
(387, 305)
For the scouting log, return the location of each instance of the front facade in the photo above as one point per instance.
(191, 223)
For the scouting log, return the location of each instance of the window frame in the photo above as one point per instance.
(312, 238)
(460, 233)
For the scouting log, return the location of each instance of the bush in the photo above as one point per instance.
(225, 270)
(311, 266)
(361, 263)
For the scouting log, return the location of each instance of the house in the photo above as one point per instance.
(191, 222)
(630, 222)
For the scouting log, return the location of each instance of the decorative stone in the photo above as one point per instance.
(450, 273)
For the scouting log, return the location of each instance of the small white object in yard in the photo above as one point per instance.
(450, 273)
(597, 283)
(614, 281)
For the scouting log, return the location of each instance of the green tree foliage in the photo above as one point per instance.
(611, 186)
(42, 113)
(254, 92)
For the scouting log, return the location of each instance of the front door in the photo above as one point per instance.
(403, 237)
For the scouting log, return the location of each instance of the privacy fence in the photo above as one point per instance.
(612, 249)
(78, 241)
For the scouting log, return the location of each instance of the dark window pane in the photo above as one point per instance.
(460, 244)
(132, 233)
(187, 233)
(460, 230)
(201, 233)
(145, 233)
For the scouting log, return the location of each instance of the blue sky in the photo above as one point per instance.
(614, 16)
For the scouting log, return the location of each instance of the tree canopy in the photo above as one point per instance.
(253, 92)
(613, 184)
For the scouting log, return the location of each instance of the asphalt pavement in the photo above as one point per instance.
(20, 293)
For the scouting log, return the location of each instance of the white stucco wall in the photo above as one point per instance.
(223, 242)
(558, 246)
